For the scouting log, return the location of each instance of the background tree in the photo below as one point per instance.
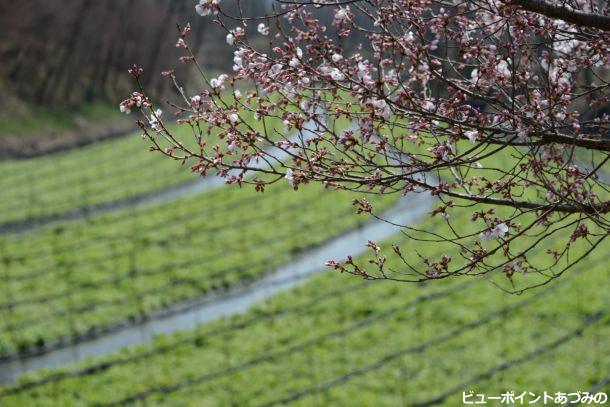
(498, 109)
(62, 53)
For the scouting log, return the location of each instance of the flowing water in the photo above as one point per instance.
(407, 211)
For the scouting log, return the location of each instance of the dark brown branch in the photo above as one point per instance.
(563, 13)
(589, 209)
(591, 144)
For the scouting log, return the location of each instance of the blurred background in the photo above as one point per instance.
(126, 279)
(64, 63)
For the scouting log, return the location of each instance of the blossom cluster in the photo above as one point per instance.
(207, 7)
(488, 105)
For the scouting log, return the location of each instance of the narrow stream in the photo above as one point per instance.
(236, 301)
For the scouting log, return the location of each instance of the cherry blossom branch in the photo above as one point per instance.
(565, 13)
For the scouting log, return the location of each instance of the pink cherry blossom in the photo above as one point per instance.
(497, 111)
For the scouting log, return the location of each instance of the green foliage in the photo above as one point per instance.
(335, 340)
(100, 174)
(70, 279)
(343, 341)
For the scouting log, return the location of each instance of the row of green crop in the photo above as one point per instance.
(189, 222)
(134, 266)
(115, 229)
(114, 171)
(63, 282)
(210, 244)
(372, 343)
(105, 172)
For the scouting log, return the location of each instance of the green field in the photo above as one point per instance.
(82, 277)
(335, 340)
(338, 340)
(105, 172)
(100, 174)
